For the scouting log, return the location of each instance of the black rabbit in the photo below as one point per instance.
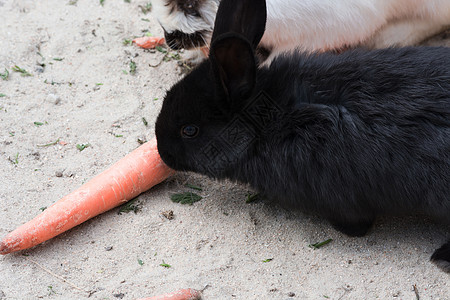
(347, 136)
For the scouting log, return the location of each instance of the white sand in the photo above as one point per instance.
(219, 242)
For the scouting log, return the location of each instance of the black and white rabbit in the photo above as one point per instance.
(349, 136)
(313, 25)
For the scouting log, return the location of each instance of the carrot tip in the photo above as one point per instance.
(184, 294)
(9, 244)
(3, 249)
(149, 42)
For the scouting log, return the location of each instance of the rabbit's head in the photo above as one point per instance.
(201, 113)
(187, 24)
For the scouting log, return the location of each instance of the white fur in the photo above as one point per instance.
(318, 25)
(185, 23)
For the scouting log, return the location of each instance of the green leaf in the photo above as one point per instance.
(16, 159)
(185, 198)
(165, 265)
(252, 198)
(5, 75)
(161, 49)
(81, 147)
(49, 144)
(321, 244)
(50, 290)
(22, 72)
(145, 9)
(131, 205)
(133, 67)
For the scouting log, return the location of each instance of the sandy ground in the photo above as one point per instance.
(85, 94)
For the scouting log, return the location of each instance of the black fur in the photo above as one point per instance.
(179, 40)
(347, 136)
(440, 257)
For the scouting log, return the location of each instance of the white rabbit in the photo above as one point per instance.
(313, 25)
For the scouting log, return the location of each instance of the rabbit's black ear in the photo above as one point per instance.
(245, 17)
(234, 66)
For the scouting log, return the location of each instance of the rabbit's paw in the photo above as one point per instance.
(441, 257)
(353, 229)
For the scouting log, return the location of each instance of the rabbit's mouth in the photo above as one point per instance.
(177, 40)
(171, 161)
(175, 161)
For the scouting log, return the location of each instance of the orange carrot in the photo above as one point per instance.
(149, 42)
(184, 294)
(135, 173)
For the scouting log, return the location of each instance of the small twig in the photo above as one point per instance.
(189, 68)
(416, 291)
(346, 290)
(56, 275)
(342, 296)
(49, 144)
(157, 65)
(206, 286)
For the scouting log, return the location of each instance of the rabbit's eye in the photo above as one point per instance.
(189, 131)
(190, 7)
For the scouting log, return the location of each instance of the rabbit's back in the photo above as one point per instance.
(364, 133)
(339, 164)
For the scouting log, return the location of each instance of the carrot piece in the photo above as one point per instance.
(184, 294)
(135, 173)
(149, 42)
